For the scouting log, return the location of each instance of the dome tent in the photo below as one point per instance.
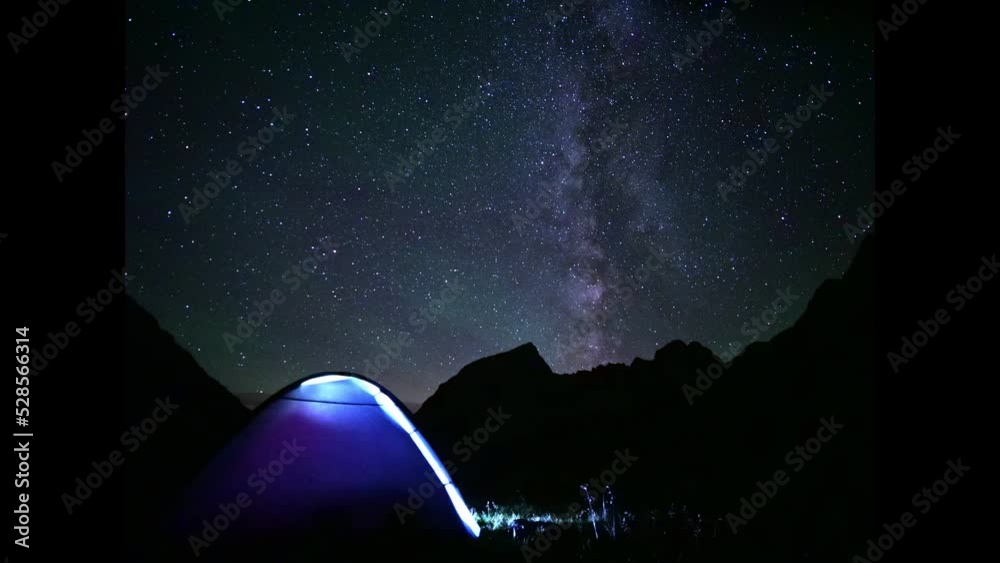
(327, 462)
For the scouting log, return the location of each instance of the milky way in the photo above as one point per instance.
(572, 201)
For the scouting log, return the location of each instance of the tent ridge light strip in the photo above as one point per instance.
(392, 410)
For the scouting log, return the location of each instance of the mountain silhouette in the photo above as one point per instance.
(706, 446)
(207, 415)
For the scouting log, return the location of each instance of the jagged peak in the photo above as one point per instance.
(526, 356)
(528, 348)
(675, 347)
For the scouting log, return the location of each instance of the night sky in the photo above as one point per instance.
(584, 157)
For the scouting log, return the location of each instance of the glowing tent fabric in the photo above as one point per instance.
(332, 453)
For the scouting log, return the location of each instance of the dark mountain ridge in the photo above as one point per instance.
(207, 415)
(704, 432)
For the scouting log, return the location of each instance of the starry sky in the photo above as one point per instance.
(566, 156)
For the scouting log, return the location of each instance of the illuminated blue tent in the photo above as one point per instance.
(334, 454)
